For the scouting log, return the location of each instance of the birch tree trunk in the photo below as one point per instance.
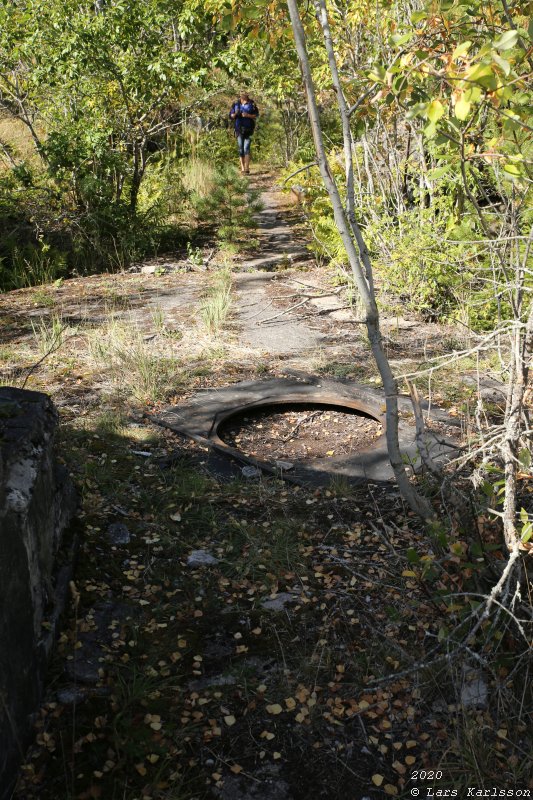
(349, 230)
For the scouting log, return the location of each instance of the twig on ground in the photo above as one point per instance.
(300, 422)
(57, 343)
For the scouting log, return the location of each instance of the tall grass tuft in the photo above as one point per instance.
(135, 368)
(217, 304)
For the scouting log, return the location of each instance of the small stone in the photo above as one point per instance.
(201, 558)
(284, 465)
(118, 533)
(251, 472)
(151, 269)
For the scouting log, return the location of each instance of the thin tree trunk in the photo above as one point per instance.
(355, 257)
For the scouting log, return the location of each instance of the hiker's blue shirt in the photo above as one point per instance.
(244, 125)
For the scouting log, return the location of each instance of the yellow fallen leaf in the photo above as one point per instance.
(153, 758)
(408, 573)
(277, 755)
(267, 735)
(377, 780)
(410, 760)
(390, 789)
(230, 720)
(236, 768)
(290, 702)
(274, 708)
(156, 726)
(330, 452)
(141, 769)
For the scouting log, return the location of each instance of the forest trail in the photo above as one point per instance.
(264, 326)
(270, 295)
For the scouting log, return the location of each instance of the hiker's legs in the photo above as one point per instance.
(240, 143)
(247, 143)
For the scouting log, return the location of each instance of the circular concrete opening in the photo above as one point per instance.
(299, 432)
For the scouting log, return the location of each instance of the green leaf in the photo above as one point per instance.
(480, 73)
(462, 108)
(398, 40)
(513, 170)
(525, 458)
(438, 172)
(506, 40)
(502, 63)
(378, 74)
(416, 110)
(418, 16)
(461, 49)
(430, 130)
(412, 556)
(435, 111)
(527, 532)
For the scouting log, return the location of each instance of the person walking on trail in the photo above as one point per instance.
(245, 112)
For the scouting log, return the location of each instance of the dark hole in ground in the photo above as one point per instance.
(299, 432)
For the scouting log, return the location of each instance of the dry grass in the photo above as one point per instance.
(198, 177)
(16, 136)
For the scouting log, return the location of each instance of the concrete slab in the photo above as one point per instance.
(201, 418)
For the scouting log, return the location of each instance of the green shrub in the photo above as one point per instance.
(231, 205)
(30, 265)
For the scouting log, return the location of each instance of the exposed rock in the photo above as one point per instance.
(265, 784)
(88, 662)
(70, 695)
(213, 680)
(474, 691)
(201, 558)
(118, 533)
(490, 389)
(284, 465)
(37, 501)
(279, 602)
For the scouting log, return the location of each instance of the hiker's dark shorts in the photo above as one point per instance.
(244, 141)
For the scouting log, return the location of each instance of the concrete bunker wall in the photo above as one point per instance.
(37, 503)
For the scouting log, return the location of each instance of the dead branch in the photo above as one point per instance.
(297, 172)
(282, 313)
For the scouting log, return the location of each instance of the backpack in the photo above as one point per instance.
(250, 123)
